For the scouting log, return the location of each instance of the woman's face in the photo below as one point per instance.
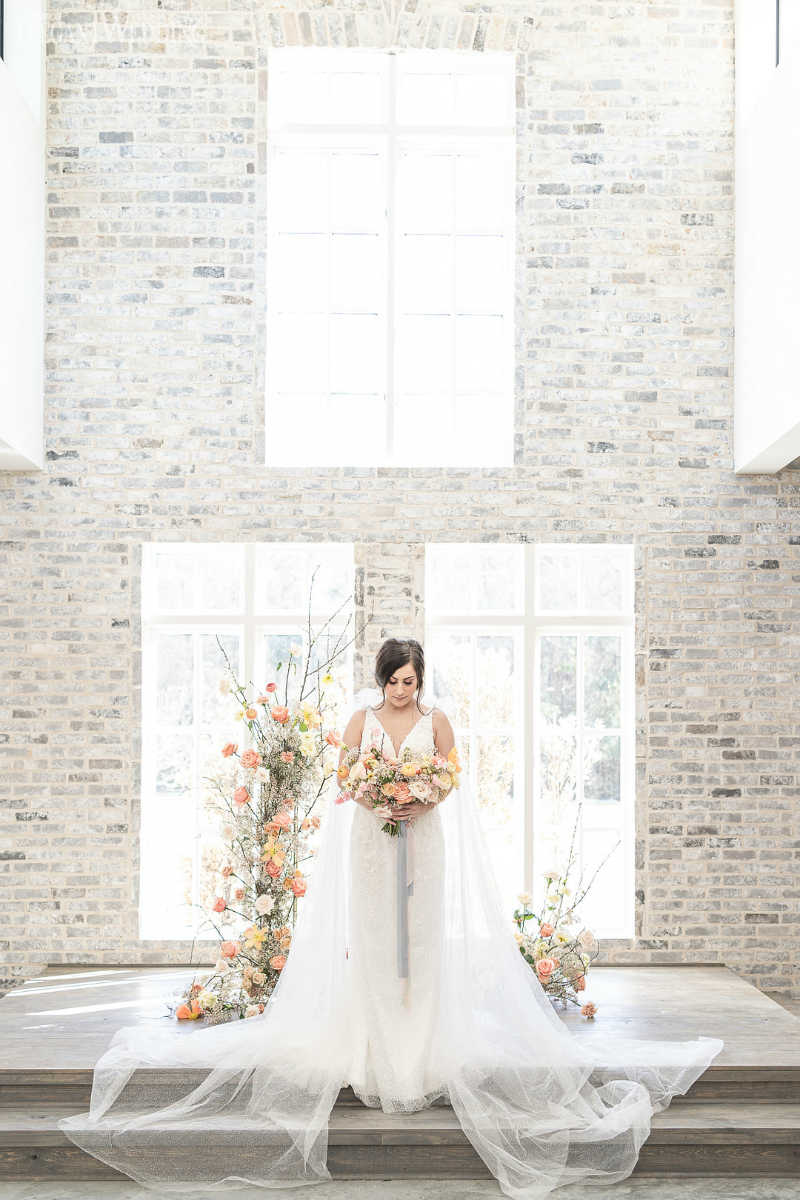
(400, 687)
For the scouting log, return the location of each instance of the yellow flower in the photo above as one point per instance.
(409, 768)
(327, 677)
(238, 716)
(254, 937)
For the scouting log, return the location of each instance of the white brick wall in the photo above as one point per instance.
(154, 430)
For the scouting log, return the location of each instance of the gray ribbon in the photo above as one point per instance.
(404, 890)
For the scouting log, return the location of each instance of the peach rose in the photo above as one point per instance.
(282, 819)
(239, 894)
(273, 870)
(315, 822)
(287, 756)
(226, 871)
(219, 904)
(278, 961)
(580, 983)
(545, 929)
(241, 796)
(402, 793)
(545, 967)
(299, 886)
(229, 949)
(588, 1010)
(251, 758)
(229, 748)
(280, 714)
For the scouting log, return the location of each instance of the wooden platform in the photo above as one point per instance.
(741, 1117)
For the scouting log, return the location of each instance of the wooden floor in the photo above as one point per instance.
(741, 1117)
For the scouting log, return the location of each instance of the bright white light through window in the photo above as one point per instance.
(390, 258)
(251, 600)
(530, 649)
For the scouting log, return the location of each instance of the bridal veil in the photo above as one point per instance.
(187, 1109)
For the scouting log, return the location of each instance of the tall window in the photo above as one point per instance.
(254, 599)
(531, 649)
(390, 258)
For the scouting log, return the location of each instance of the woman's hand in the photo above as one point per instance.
(413, 808)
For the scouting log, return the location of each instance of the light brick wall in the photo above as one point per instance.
(154, 430)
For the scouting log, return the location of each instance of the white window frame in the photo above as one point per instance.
(394, 137)
(248, 622)
(530, 625)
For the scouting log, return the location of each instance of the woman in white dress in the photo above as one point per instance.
(405, 981)
(391, 1065)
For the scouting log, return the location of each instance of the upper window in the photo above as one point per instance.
(390, 258)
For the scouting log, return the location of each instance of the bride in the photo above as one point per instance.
(405, 981)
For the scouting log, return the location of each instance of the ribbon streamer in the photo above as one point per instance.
(405, 888)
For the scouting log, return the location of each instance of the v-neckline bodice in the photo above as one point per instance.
(397, 753)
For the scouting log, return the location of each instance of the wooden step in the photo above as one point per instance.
(690, 1137)
(74, 1086)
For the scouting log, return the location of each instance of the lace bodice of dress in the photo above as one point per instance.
(419, 738)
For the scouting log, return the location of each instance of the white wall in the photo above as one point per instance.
(767, 255)
(22, 215)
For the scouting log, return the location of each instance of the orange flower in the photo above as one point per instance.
(184, 1013)
(299, 885)
(545, 929)
(333, 739)
(219, 904)
(229, 748)
(588, 1010)
(273, 870)
(241, 796)
(280, 714)
(278, 961)
(545, 967)
(270, 687)
(250, 713)
(580, 983)
(229, 949)
(251, 758)
(226, 871)
(315, 822)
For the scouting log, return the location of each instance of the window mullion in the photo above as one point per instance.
(391, 255)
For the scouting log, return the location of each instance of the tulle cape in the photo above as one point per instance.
(245, 1105)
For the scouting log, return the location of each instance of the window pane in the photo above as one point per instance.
(298, 360)
(301, 262)
(298, 192)
(602, 663)
(557, 574)
(424, 355)
(358, 282)
(604, 581)
(481, 578)
(558, 677)
(483, 278)
(175, 674)
(425, 193)
(601, 779)
(425, 274)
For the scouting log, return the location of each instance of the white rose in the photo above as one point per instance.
(264, 905)
(251, 1010)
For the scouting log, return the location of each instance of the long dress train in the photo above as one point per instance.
(405, 981)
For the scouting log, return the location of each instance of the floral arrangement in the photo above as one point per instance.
(557, 946)
(266, 803)
(386, 780)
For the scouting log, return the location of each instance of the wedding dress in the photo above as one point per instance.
(405, 981)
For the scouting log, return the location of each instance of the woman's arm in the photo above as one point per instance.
(352, 737)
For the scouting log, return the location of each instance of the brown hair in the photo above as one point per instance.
(395, 653)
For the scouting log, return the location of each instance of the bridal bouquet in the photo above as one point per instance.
(387, 780)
